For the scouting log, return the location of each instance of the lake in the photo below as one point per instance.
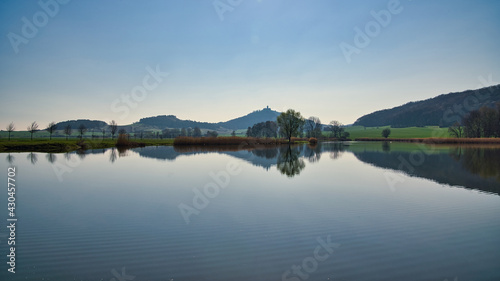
(335, 211)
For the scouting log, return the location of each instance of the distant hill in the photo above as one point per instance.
(442, 110)
(171, 121)
(89, 124)
(251, 119)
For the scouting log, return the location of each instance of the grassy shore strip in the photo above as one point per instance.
(438, 140)
(59, 146)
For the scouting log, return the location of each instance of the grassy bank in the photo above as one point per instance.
(62, 145)
(410, 132)
(438, 140)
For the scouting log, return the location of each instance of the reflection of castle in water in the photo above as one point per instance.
(288, 159)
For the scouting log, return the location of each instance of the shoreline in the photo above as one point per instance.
(62, 146)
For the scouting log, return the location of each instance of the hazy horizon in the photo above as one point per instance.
(214, 61)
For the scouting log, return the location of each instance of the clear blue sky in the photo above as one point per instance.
(86, 55)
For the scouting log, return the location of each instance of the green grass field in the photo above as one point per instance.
(355, 131)
(410, 132)
(63, 145)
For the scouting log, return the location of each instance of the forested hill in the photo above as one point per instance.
(442, 110)
(170, 121)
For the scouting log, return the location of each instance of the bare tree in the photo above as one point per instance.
(337, 129)
(113, 127)
(67, 131)
(32, 128)
(51, 128)
(313, 127)
(10, 128)
(82, 130)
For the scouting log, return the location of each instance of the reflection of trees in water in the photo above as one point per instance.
(51, 157)
(313, 152)
(268, 153)
(336, 150)
(288, 162)
(386, 147)
(122, 151)
(32, 157)
(81, 153)
(10, 158)
(478, 160)
(112, 155)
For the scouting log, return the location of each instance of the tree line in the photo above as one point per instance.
(292, 124)
(481, 123)
(67, 130)
(287, 125)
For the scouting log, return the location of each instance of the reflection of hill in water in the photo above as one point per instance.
(264, 157)
(474, 168)
(160, 152)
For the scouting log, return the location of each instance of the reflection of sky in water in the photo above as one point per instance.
(107, 215)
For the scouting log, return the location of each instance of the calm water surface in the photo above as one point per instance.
(356, 211)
